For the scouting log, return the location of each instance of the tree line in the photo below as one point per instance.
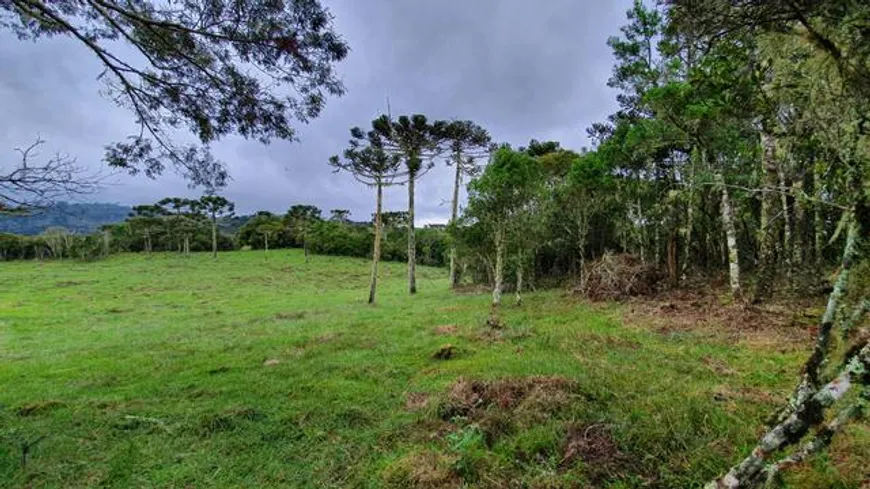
(209, 224)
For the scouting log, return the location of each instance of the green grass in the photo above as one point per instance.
(164, 371)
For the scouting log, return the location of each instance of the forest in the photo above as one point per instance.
(735, 166)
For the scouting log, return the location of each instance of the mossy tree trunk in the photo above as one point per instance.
(730, 239)
(766, 235)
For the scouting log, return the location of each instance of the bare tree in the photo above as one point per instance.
(29, 182)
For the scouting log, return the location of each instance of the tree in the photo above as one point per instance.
(497, 197)
(183, 218)
(339, 215)
(584, 195)
(415, 140)
(247, 67)
(148, 220)
(261, 229)
(216, 207)
(299, 220)
(367, 159)
(465, 142)
(28, 184)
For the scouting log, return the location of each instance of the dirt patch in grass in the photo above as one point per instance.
(718, 366)
(422, 470)
(594, 445)
(784, 326)
(447, 329)
(744, 394)
(472, 398)
(415, 401)
(37, 408)
(446, 352)
(290, 316)
(118, 310)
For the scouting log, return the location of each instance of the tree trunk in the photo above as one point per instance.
(412, 239)
(673, 276)
(106, 243)
(305, 245)
(807, 406)
(799, 245)
(788, 224)
(265, 244)
(731, 240)
(186, 245)
(457, 181)
(582, 233)
(376, 253)
(520, 263)
(499, 267)
(818, 216)
(766, 235)
(687, 235)
(214, 237)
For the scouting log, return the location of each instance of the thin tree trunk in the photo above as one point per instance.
(186, 245)
(499, 267)
(731, 239)
(265, 244)
(376, 254)
(412, 239)
(106, 243)
(520, 263)
(766, 236)
(687, 239)
(213, 237)
(818, 216)
(673, 276)
(457, 181)
(788, 226)
(799, 245)
(305, 245)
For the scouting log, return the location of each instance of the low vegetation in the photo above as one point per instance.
(159, 370)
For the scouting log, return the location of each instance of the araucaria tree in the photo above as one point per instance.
(415, 141)
(498, 198)
(465, 142)
(215, 67)
(183, 218)
(367, 159)
(298, 220)
(216, 207)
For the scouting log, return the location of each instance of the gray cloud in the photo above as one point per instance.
(521, 69)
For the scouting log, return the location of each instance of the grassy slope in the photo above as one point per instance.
(152, 372)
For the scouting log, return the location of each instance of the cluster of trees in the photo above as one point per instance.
(740, 145)
(303, 227)
(401, 151)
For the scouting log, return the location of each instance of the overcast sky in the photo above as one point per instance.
(521, 69)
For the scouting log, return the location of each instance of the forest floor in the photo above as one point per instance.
(166, 371)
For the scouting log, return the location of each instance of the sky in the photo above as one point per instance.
(522, 70)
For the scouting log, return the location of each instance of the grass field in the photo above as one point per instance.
(166, 371)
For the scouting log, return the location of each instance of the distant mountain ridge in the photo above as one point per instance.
(75, 217)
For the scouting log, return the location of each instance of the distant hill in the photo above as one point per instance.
(78, 218)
